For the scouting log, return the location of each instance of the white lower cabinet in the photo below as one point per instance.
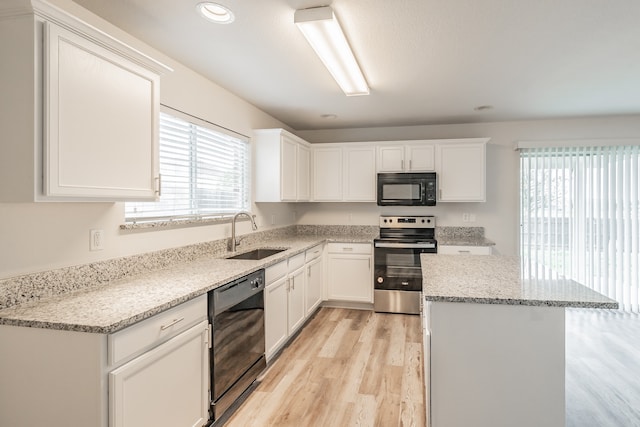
(296, 308)
(293, 292)
(284, 302)
(152, 373)
(315, 275)
(164, 387)
(275, 317)
(349, 272)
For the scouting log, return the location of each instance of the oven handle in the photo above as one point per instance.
(405, 245)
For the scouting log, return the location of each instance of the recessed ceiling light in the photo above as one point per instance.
(215, 12)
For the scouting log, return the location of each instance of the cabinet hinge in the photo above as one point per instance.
(210, 335)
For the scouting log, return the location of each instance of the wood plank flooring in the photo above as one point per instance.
(346, 368)
(602, 368)
(359, 368)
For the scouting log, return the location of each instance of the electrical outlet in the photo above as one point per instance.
(465, 217)
(472, 217)
(273, 220)
(350, 217)
(96, 240)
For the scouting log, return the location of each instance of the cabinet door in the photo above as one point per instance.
(165, 387)
(421, 158)
(296, 308)
(391, 158)
(313, 294)
(360, 174)
(100, 121)
(275, 315)
(349, 278)
(327, 174)
(288, 169)
(461, 172)
(303, 163)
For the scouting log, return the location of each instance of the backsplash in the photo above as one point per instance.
(33, 287)
(459, 232)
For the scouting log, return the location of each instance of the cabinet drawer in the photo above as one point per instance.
(349, 248)
(296, 262)
(312, 253)
(464, 250)
(149, 333)
(274, 272)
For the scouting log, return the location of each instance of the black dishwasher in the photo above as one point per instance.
(236, 311)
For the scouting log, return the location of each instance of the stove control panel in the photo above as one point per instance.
(407, 222)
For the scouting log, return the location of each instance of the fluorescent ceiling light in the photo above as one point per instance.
(215, 12)
(322, 30)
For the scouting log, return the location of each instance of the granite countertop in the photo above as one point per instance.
(110, 307)
(496, 279)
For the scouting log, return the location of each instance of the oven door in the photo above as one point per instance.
(397, 264)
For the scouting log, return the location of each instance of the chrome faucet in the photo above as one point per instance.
(235, 242)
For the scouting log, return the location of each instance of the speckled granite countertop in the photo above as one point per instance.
(497, 280)
(462, 236)
(109, 307)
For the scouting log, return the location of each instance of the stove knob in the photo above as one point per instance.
(390, 220)
(385, 221)
(380, 279)
(423, 221)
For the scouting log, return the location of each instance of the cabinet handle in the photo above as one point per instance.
(159, 179)
(402, 164)
(308, 271)
(369, 264)
(347, 249)
(409, 164)
(173, 322)
(464, 252)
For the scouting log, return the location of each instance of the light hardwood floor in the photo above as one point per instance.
(346, 368)
(359, 368)
(602, 368)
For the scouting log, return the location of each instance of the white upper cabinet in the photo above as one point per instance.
(92, 105)
(282, 166)
(413, 156)
(344, 172)
(327, 173)
(461, 168)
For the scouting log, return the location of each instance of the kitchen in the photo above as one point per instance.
(32, 232)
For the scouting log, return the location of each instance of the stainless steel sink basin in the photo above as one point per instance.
(257, 254)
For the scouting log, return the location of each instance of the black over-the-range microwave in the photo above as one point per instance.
(407, 189)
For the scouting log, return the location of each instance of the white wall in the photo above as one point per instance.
(41, 236)
(499, 215)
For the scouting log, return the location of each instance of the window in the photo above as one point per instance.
(580, 215)
(205, 172)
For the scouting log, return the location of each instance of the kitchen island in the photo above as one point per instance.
(495, 341)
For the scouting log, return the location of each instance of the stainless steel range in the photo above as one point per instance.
(397, 274)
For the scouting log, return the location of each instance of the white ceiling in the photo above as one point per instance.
(426, 61)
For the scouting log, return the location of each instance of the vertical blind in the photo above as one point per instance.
(580, 217)
(205, 172)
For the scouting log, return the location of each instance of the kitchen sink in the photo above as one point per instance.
(257, 254)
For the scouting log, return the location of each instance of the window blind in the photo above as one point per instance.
(580, 211)
(205, 172)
